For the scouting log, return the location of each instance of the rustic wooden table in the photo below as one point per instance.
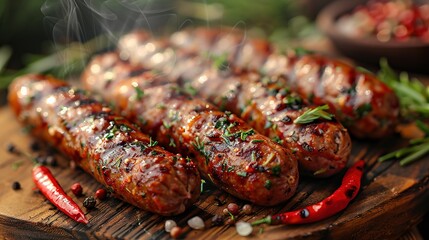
(393, 199)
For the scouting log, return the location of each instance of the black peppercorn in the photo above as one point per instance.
(34, 146)
(89, 202)
(11, 148)
(16, 186)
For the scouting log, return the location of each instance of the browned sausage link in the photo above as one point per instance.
(322, 147)
(227, 150)
(105, 145)
(365, 105)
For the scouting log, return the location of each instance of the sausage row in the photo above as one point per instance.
(227, 151)
(366, 106)
(322, 147)
(130, 164)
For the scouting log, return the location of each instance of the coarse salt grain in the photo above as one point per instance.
(196, 223)
(169, 224)
(243, 228)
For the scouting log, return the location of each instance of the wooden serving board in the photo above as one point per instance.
(392, 200)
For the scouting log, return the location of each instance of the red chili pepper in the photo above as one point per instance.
(51, 189)
(326, 208)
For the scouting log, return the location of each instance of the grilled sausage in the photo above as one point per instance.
(105, 145)
(364, 104)
(322, 147)
(228, 152)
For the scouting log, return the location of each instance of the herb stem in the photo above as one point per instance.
(313, 114)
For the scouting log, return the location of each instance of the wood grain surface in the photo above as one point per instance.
(393, 200)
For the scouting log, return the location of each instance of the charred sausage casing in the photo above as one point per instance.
(227, 151)
(322, 147)
(364, 104)
(105, 145)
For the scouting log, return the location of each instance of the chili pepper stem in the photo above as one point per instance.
(266, 220)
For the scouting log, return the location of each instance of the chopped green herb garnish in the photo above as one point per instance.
(190, 90)
(199, 146)
(166, 124)
(152, 143)
(278, 140)
(299, 51)
(313, 114)
(268, 184)
(257, 141)
(172, 143)
(202, 184)
(139, 93)
(320, 171)
(221, 62)
(276, 170)
(247, 133)
(364, 109)
(242, 174)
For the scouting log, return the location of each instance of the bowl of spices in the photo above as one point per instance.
(367, 31)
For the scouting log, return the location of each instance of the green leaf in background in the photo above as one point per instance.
(5, 54)
(413, 95)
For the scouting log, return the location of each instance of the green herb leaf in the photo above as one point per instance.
(413, 95)
(416, 149)
(247, 133)
(202, 184)
(139, 93)
(313, 114)
(152, 143)
(268, 184)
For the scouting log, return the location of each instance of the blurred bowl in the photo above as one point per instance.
(411, 55)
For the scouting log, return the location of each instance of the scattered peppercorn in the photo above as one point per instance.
(11, 148)
(233, 208)
(34, 146)
(89, 202)
(76, 189)
(247, 209)
(175, 232)
(16, 186)
(217, 220)
(101, 194)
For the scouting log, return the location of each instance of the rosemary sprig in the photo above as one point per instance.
(314, 114)
(414, 104)
(416, 149)
(413, 95)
